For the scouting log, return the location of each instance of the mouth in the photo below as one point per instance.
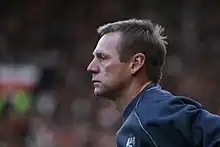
(95, 82)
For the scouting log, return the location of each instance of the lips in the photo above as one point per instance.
(96, 82)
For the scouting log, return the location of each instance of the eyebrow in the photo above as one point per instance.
(97, 53)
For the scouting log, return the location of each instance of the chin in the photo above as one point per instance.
(99, 92)
(104, 94)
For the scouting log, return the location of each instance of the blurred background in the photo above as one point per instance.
(45, 46)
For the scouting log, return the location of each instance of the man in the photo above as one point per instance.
(126, 68)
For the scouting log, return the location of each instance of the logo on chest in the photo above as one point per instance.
(130, 142)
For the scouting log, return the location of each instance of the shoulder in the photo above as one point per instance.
(165, 115)
(161, 104)
(168, 115)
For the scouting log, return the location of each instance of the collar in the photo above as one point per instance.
(133, 103)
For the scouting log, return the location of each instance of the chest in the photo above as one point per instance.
(133, 134)
(130, 133)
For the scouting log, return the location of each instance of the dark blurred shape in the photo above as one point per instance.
(47, 79)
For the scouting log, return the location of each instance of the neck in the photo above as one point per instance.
(128, 94)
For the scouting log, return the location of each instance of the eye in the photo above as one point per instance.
(102, 56)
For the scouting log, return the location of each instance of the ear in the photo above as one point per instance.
(137, 62)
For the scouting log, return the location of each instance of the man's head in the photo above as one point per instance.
(127, 50)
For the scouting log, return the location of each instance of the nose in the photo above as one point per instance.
(92, 67)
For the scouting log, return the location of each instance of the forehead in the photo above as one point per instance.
(108, 43)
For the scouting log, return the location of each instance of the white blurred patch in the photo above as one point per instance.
(46, 104)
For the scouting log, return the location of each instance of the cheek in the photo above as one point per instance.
(116, 72)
